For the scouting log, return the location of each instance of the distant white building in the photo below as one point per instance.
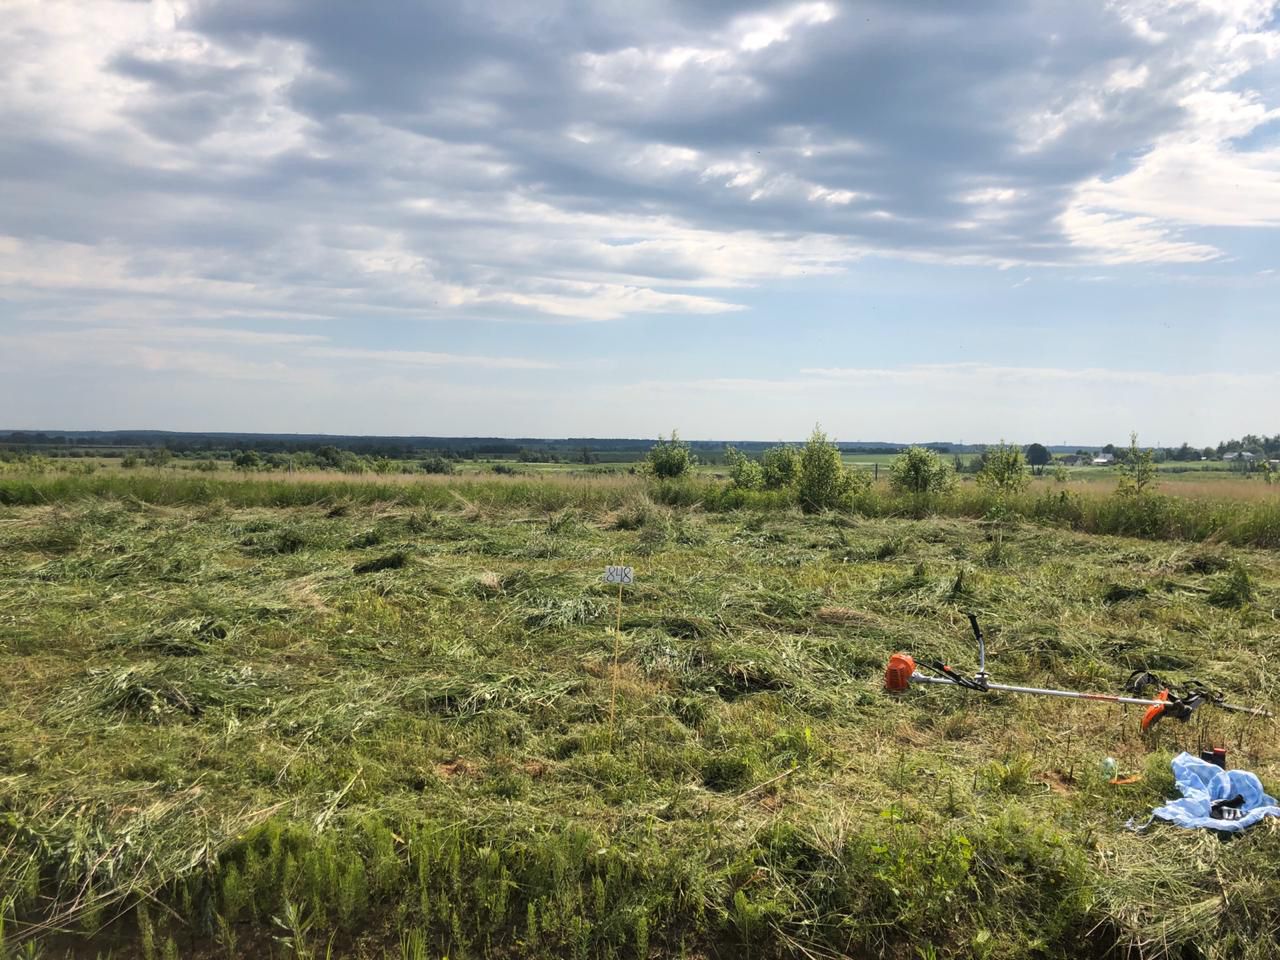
(1103, 460)
(1244, 456)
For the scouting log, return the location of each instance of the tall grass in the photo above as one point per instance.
(1206, 511)
(167, 488)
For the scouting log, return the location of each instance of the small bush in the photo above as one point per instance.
(744, 473)
(824, 483)
(669, 459)
(1005, 471)
(780, 467)
(920, 471)
(437, 465)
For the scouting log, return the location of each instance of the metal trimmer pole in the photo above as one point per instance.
(982, 651)
(901, 672)
(1044, 692)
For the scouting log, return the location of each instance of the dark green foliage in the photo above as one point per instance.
(437, 465)
(1120, 592)
(390, 561)
(919, 471)
(1038, 457)
(780, 467)
(669, 458)
(1004, 471)
(822, 482)
(744, 473)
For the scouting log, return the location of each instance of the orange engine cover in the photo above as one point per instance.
(897, 676)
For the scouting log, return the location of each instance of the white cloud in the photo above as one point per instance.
(201, 187)
(1114, 238)
(1198, 173)
(758, 31)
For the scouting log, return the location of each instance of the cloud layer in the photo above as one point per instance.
(199, 164)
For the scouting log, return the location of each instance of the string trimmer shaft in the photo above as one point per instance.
(901, 673)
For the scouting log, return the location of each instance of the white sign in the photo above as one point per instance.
(619, 574)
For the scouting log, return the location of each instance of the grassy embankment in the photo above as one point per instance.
(261, 717)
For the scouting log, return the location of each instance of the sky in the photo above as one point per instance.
(908, 220)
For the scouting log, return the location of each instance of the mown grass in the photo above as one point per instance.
(379, 726)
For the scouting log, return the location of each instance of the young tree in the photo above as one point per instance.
(780, 466)
(920, 471)
(823, 482)
(1004, 473)
(1038, 456)
(744, 472)
(1137, 471)
(1005, 470)
(669, 459)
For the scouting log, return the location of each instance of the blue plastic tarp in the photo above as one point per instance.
(1203, 785)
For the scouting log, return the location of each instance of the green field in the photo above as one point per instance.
(285, 718)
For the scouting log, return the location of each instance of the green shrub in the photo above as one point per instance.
(780, 466)
(1005, 471)
(669, 459)
(744, 473)
(823, 482)
(920, 471)
(438, 465)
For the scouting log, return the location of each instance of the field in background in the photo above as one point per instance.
(378, 715)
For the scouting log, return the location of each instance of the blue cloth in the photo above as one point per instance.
(1202, 784)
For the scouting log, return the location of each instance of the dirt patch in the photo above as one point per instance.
(454, 768)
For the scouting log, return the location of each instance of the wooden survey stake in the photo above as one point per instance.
(620, 575)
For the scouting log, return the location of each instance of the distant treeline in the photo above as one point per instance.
(585, 450)
(223, 446)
